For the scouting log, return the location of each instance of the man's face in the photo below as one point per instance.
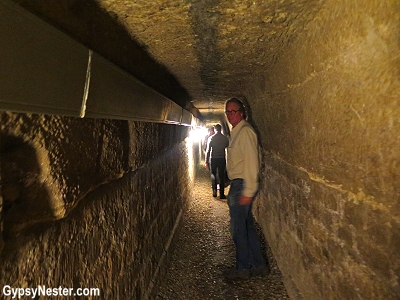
(233, 114)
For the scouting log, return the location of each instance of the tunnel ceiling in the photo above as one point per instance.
(196, 52)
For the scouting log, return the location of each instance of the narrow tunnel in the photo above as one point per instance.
(99, 105)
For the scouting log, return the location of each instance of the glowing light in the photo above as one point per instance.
(197, 134)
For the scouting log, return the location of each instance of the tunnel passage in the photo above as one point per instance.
(323, 85)
(204, 249)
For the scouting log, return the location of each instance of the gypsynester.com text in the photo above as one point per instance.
(41, 290)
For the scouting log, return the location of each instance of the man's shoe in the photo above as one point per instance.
(260, 272)
(235, 274)
(222, 197)
(214, 193)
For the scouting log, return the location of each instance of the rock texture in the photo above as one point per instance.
(89, 203)
(326, 114)
(214, 49)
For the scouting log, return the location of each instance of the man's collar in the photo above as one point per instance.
(240, 124)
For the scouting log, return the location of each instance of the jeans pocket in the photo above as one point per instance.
(235, 191)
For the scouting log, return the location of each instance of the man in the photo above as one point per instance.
(210, 133)
(215, 156)
(243, 168)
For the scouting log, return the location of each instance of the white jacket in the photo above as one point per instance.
(243, 157)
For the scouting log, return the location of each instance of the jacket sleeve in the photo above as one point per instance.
(251, 164)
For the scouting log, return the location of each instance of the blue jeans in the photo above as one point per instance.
(243, 231)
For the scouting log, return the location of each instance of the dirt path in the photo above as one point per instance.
(205, 249)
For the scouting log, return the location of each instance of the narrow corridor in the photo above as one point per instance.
(204, 250)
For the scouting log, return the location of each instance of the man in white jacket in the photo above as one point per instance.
(243, 169)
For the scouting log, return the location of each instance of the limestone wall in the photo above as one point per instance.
(89, 203)
(328, 116)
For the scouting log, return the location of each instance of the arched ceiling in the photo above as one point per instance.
(198, 53)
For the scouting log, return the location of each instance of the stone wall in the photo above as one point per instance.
(89, 203)
(328, 116)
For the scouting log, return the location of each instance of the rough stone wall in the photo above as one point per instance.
(328, 116)
(89, 203)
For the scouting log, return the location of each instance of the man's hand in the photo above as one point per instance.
(207, 166)
(245, 200)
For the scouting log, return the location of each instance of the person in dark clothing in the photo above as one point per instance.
(211, 132)
(215, 157)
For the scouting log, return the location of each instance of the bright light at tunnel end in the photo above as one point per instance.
(197, 134)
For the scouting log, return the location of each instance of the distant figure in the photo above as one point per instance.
(215, 157)
(210, 133)
(243, 167)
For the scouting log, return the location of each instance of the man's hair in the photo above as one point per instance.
(239, 104)
(218, 127)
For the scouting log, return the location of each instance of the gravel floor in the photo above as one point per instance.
(205, 249)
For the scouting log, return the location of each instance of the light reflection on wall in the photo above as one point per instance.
(194, 147)
(189, 149)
